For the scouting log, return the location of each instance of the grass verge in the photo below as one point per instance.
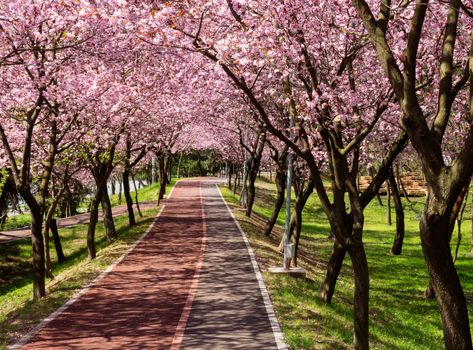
(400, 318)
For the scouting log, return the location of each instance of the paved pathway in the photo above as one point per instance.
(191, 283)
(12, 235)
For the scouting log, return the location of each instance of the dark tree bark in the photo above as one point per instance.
(128, 199)
(57, 242)
(101, 166)
(430, 292)
(401, 184)
(169, 169)
(459, 221)
(444, 279)
(361, 297)
(296, 224)
(396, 249)
(230, 174)
(128, 164)
(303, 189)
(251, 192)
(255, 152)
(7, 191)
(108, 217)
(371, 174)
(388, 204)
(120, 192)
(237, 176)
(163, 161)
(136, 197)
(334, 267)
(280, 186)
(113, 187)
(93, 218)
(39, 270)
(280, 159)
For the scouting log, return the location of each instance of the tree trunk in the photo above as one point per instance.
(334, 266)
(48, 270)
(434, 228)
(237, 176)
(57, 241)
(120, 192)
(388, 203)
(136, 197)
(39, 287)
(298, 229)
(230, 174)
(163, 180)
(169, 167)
(280, 185)
(244, 189)
(361, 295)
(251, 193)
(93, 218)
(459, 239)
(108, 217)
(128, 199)
(162, 190)
(296, 221)
(399, 238)
(401, 184)
(430, 293)
(378, 197)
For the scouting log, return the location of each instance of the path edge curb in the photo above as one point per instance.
(278, 335)
(28, 336)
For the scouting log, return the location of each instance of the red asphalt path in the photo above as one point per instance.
(139, 304)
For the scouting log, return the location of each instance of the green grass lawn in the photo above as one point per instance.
(145, 194)
(18, 313)
(400, 318)
(16, 221)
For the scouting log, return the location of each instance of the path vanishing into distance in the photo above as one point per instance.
(191, 283)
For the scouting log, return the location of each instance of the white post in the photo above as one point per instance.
(288, 254)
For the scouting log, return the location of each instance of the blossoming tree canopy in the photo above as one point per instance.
(107, 85)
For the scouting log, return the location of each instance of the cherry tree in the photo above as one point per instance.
(417, 42)
(39, 49)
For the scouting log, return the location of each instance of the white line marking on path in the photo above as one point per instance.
(25, 339)
(278, 336)
(181, 325)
